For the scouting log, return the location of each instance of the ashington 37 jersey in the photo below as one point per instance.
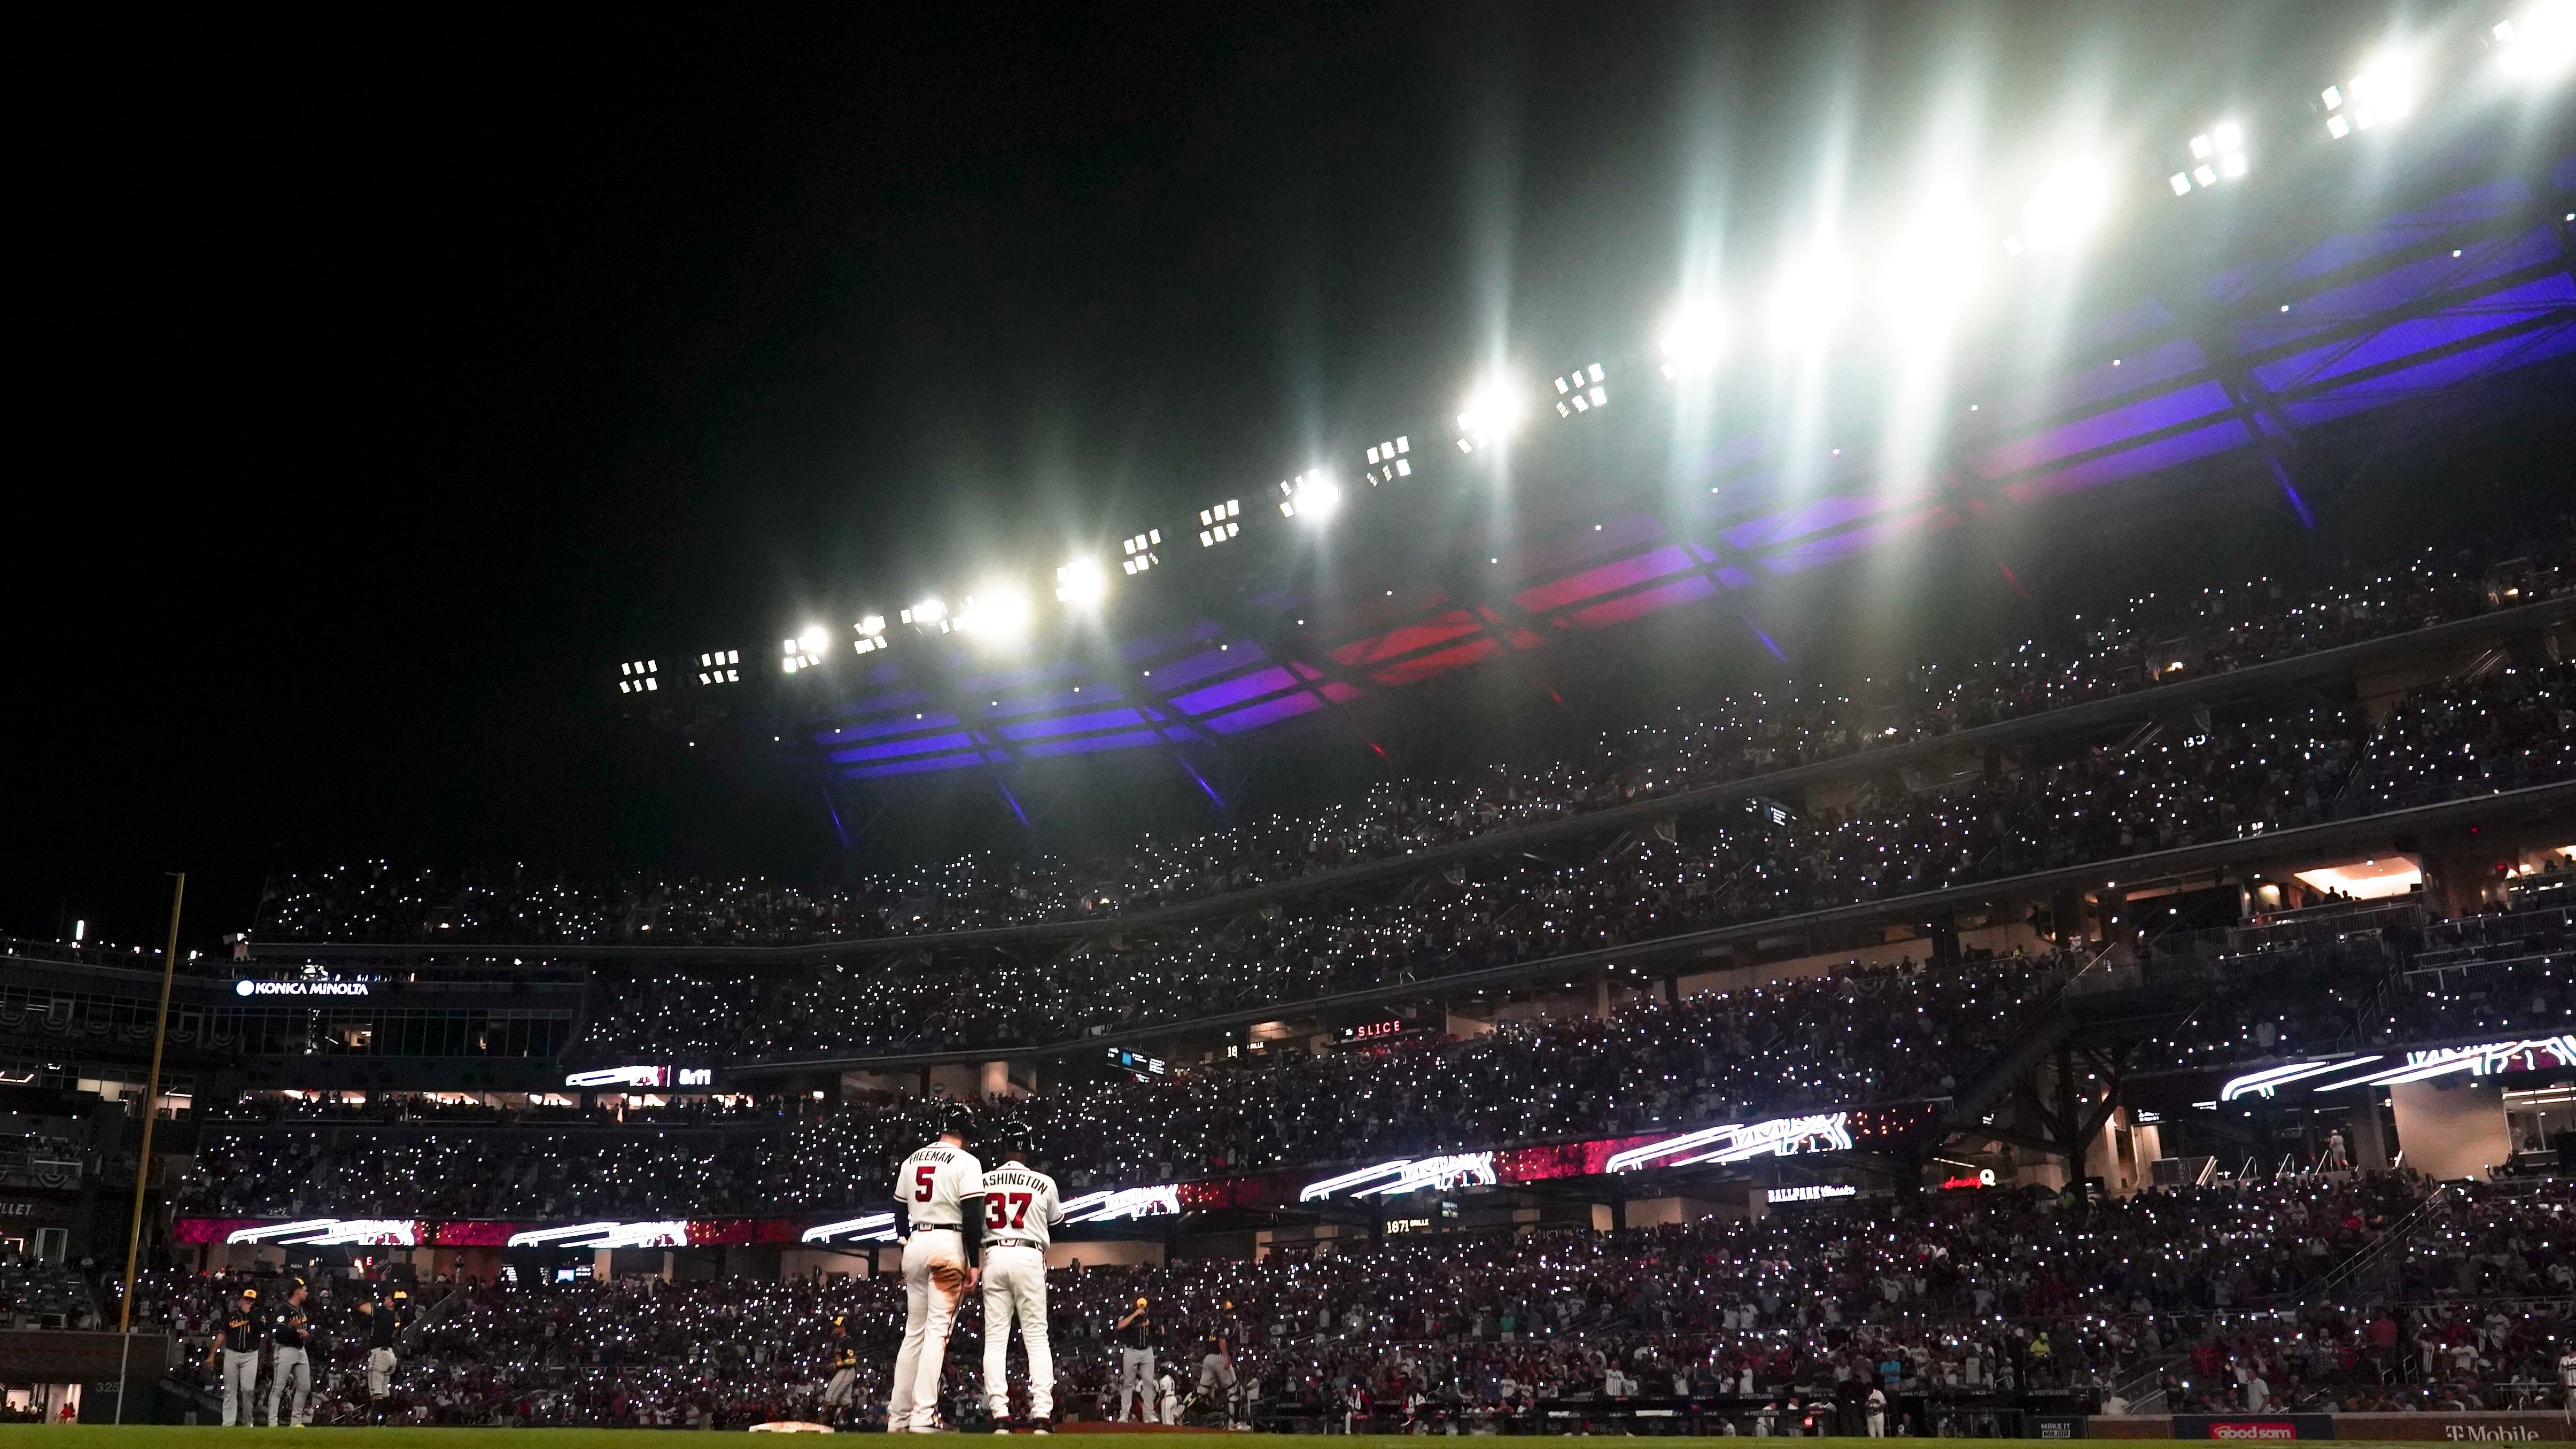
(1020, 1206)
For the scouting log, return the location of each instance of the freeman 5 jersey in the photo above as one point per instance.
(1020, 1207)
(934, 1182)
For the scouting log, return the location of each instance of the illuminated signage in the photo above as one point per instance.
(1464, 1169)
(1374, 1030)
(1985, 1178)
(248, 988)
(2529, 1054)
(606, 1235)
(621, 1077)
(874, 1228)
(332, 1232)
(1137, 1062)
(1816, 1192)
(2271, 1078)
(1733, 1142)
(1125, 1202)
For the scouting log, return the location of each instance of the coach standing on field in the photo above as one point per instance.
(237, 1346)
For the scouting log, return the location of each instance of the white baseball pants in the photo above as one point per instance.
(934, 1278)
(380, 1372)
(1015, 1287)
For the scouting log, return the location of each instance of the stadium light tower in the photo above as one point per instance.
(1311, 495)
(930, 613)
(805, 651)
(1139, 552)
(720, 666)
(639, 676)
(1082, 583)
(2382, 95)
(1389, 460)
(2217, 154)
(1694, 339)
(2539, 45)
(1581, 390)
(1491, 414)
(1219, 522)
(872, 635)
(998, 613)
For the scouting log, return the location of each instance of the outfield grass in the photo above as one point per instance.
(166, 1437)
(155, 1436)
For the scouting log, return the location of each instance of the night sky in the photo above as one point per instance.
(402, 370)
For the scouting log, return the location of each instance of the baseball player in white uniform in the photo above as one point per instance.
(941, 1191)
(1020, 1211)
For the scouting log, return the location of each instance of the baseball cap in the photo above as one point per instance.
(247, 1293)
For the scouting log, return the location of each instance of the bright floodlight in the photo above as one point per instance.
(2063, 209)
(1934, 268)
(1139, 550)
(2540, 44)
(1581, 389)
(2217, 154)
(1219, 522)
(805, 650)
(1808, 299)
(1388, 461)
(929, 613)
(1694, 338)
(872, 635)
(1491, 414)
(720, 666)
(1312, 495)
(2382, 95)
(1081, 583)
(639, 676)
(997, 613)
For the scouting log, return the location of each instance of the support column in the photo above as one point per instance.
(2370, 1134)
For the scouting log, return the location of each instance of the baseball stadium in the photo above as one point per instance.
(1688, 721)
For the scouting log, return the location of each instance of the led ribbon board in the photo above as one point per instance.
(332, 1233)
(1125, 1202)
(1464, 1169)
(874, 1228)
(606, 1235)
(2529, 1054)
(642, 1077)
(1733, 1142)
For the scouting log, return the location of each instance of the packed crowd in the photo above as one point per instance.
(1902, 1034)
(2264, 772)
(2477, 979)
(2154, 640)
(2241, 1296)
(1864, 1036)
